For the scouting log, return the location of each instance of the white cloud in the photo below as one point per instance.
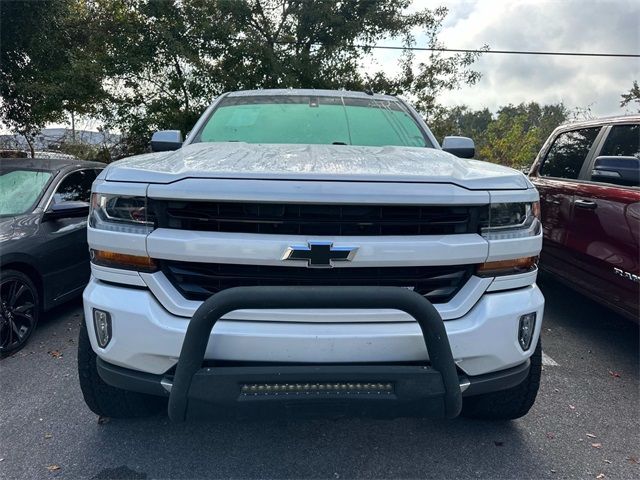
(608, 26)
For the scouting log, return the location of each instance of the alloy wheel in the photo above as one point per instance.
(18, 313)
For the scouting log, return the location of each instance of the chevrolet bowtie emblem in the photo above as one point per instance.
(320, 254)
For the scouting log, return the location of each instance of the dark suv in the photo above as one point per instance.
(588, 176)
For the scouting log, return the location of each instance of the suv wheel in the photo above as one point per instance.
(105, 400)
(19, 309)
(508, 404)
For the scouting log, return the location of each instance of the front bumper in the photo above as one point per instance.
(161, 385)
(390, 390)
(147, 338)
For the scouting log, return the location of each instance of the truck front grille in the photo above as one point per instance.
(317, 219)
(198, 281)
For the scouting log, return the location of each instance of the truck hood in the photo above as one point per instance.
(237, 160)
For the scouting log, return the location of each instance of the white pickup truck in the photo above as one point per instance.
(352, 263)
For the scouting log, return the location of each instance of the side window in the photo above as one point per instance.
(76, 187)
(568, 152)
(623, 140)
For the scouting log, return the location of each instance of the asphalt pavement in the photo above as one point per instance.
(585, 423)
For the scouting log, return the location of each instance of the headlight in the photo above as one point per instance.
(512, 220)
(119, 213)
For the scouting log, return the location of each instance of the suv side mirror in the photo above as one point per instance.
(618, 170)
(67, 210)
(462, 147)
(166, 140)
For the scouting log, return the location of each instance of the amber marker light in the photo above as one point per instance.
(535, 209)
(507, 267)
(124, 261)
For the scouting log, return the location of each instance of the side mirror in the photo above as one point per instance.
(462, 147)
(618, 170)
(166, 140)
(67, 210)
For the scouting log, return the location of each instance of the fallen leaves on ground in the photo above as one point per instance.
(633, 460)
(55, 353)
(596, 445)
(550, 435)
(53, 468)
(614, 374)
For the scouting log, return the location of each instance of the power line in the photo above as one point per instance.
(509, 52)
(469, 50)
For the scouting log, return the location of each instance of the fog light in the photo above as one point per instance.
(525, 330)
(102, 325)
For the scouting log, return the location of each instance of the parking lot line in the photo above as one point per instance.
(547, 361)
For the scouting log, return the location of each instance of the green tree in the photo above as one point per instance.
(632, 96)
(516, 135)
(425, 81)
(461, 120)
(171, 58)
(49, 68)
(141, 65)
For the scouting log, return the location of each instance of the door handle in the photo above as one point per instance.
(588, 204)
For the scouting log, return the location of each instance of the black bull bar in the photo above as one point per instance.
(432, 389)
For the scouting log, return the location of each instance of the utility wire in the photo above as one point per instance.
(509, 52)
(468, 50)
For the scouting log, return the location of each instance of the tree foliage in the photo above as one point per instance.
(147, 64)
(49, 67)
(512, 137)
(173, 57)
(631, 97)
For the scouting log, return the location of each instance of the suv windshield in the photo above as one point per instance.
(21, 189)
(298, 119)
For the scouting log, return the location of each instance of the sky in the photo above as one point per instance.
(607, 26)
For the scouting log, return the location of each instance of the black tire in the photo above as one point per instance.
(508, 404)
(105, 400)
(19, 311)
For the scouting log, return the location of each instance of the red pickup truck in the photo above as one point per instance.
(588, 176)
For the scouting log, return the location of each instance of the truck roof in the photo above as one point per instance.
(602, 121)
(309, 92)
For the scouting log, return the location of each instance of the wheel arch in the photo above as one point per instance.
(30, 271)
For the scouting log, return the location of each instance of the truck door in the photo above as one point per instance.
(557, 181)
(604, 231)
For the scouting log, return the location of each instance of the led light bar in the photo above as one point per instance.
(329, 388)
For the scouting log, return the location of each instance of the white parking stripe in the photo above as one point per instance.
(547, 361)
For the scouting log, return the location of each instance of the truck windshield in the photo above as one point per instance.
(321, 120)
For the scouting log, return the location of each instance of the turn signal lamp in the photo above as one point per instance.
(120, 260)
(507, 267)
